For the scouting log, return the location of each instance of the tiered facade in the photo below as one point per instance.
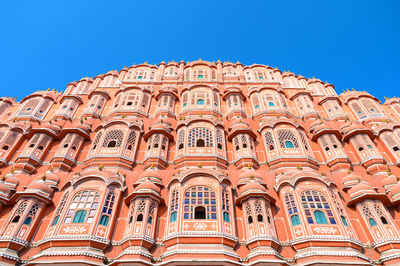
(199, 163)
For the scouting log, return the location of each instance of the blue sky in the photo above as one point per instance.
(351, 44)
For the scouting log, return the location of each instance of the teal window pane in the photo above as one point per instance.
(227, 217)
(344, 221)
(295, 220)
(201, 76)
(289, 144)
(320, 217)
(55, 221)
(372, 222)
(200, 102)
(79, 217)
(104, 220)
(173, 217)
(28, 221)
(271, 104)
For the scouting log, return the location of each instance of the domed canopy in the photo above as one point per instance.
(247, 176)
(253, 188)
(351, 180)
(41, 186)
(147, 186)
(4, 190)
(389, 181)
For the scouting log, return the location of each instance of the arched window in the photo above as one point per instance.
(269, 141)
(200, 196)
(107, 208)
(60, 208)
(219, 138)
(200, 133)
(295, 220)
(287, 139)
(32, 213)
(141, 209)
(113, 139)
(181, 139)
(371, 222)
(320, 217)
(379, 211)
(225, 205)
(339, 207)
(174, 205)
(292, 209)
(151, 213)
(83, 207)
(315, 207)
(200, 102)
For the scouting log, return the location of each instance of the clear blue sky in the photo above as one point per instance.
(352, 44)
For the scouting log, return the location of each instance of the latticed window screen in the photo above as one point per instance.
(140, 210)
(303, 139)
(225, 200)
(174, 200)
(269, 141)
(32, 213)
(164, 143)
(200, 196)
(10, 139)
(286, 135)
(219, 138)
(113, 135)
(339, 207)
(357, 109)
(83, 207)
(292, 209)
(256, 102)
(315, 207)
(258, 207)
(156, 141)
(368, 214)
(30, 106)
(380, 212)
(131, 140)
(391, 142)
(96, 140)
(151, 213)
(19, 211)
(202, 133)
(107, 208)
(60, 208)
(370, 106)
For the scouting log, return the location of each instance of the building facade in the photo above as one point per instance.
(199, 163)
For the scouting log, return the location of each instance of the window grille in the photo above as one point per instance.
(200, 133)
(200, 196)
(82, 208)
(286, 135)
(314, 201)
(113, 135)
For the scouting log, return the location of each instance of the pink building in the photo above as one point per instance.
(199, 163)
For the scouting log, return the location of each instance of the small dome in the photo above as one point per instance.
(389, 180)
(315, 123)
(395, 190)
(40, 185)
(351, 180)
(361, 188)
(250, 175)
(252, 186)
(148, 185)
(4, 190)
(150, 174)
